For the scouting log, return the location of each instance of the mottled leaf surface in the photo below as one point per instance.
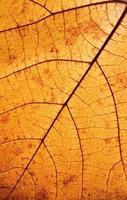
(63, 100)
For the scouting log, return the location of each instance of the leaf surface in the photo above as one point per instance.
(63, 90)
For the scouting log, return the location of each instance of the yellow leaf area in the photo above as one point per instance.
(63, 100)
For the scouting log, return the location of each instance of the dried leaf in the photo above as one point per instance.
(63, 90)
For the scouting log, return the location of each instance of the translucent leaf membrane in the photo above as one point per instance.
(63, 80)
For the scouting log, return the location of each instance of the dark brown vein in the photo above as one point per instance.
(45, 61)
(107, 184)
(35, 2)
(30, 103)
(117, 119)
(63, 11)
(71, 115)
(55, 170)
(72, 93)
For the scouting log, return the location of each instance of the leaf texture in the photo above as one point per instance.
(63, 100)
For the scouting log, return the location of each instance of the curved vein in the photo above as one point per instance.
(64, 11)
(68, 99)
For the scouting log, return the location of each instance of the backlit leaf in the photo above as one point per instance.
(63, 100)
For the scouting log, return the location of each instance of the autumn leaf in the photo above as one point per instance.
(63, 100)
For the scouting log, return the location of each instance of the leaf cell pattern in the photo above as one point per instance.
(63, 91)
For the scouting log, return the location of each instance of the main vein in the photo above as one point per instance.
(70, 96)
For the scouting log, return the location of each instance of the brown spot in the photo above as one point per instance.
(46, 71)
(89, 194)
(41, 195)
(122, 80)
(87, 27)
(32, 173)
(25, 7)
(18, 151)
(54, 50)
(68, 180)
(34, 162)
(69, 42)
(30, 20)
(108, 140)
(73, 33)
(23, 31)
(92, 28)
(53, 98)
(19, 74)
(30, 146)
(5, 118)
(99, 101)
(37, 79)
(36, 179)
(12, 58)
(111, 140)
(6, 138)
